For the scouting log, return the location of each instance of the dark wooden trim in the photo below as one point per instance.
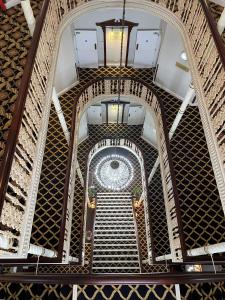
(128, 45)
(113, 23)
(105, 54)
(157, 278)
(137, 237)
(155, 74)
(107, 113)
(93, 236)
(205, 259)
(213, 27)
(124, 104)
(11, 143)
(180, 226)
(82, 219)
(149, 213)
(173, 178)
(67, 184)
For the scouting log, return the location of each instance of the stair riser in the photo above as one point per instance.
(115, 244)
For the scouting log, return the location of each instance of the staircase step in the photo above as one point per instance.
(115, 243)
(115, 217)
(113, 222)
(115, 227)
(114, 193)
(115, 255)
(111, 211)
(116, 262)
(117, 230)
(110, 206)
(114, 250)
(114, 200)
(114, 197)
(119, 235)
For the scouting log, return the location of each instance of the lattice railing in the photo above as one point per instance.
(138, 89)
(127, 144)
(21, 150)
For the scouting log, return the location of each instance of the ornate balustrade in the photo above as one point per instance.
(24, 149)
(131, 146)
(143, 94)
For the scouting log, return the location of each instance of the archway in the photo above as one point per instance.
(144, 95)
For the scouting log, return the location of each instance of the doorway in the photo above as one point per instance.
(147, 48)
(86, 48)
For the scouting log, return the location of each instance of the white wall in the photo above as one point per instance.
(83, 128)
(89, 21)
(169, 75)
(149, 130)
(65, 71)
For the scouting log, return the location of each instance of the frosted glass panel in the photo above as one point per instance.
(113, 45)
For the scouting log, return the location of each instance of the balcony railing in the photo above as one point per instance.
(25, 140)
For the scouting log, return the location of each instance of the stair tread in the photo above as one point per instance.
(115, 243)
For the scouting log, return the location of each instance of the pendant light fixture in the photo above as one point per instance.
(121, 62)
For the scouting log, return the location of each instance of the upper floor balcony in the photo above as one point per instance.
(112, 141)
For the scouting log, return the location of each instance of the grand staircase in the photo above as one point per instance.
(115, 241)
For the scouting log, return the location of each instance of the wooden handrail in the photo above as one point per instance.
(11, 143)
(215, 33)
(19, 106)
(70, 156)
(157, 278)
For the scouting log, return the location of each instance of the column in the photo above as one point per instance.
(221, 22)
(29, 16)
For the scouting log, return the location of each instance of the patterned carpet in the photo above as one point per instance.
(48, 210)
(200, 291)
(202, 214)
(203, 220)
(15, 42)
(14, 45)
(133, 133)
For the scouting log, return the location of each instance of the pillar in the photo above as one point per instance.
(187, 99)
(29, 16)
(221, 22)
(59, 112)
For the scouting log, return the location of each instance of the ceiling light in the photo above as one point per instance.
(183, 56)
(113, 178)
